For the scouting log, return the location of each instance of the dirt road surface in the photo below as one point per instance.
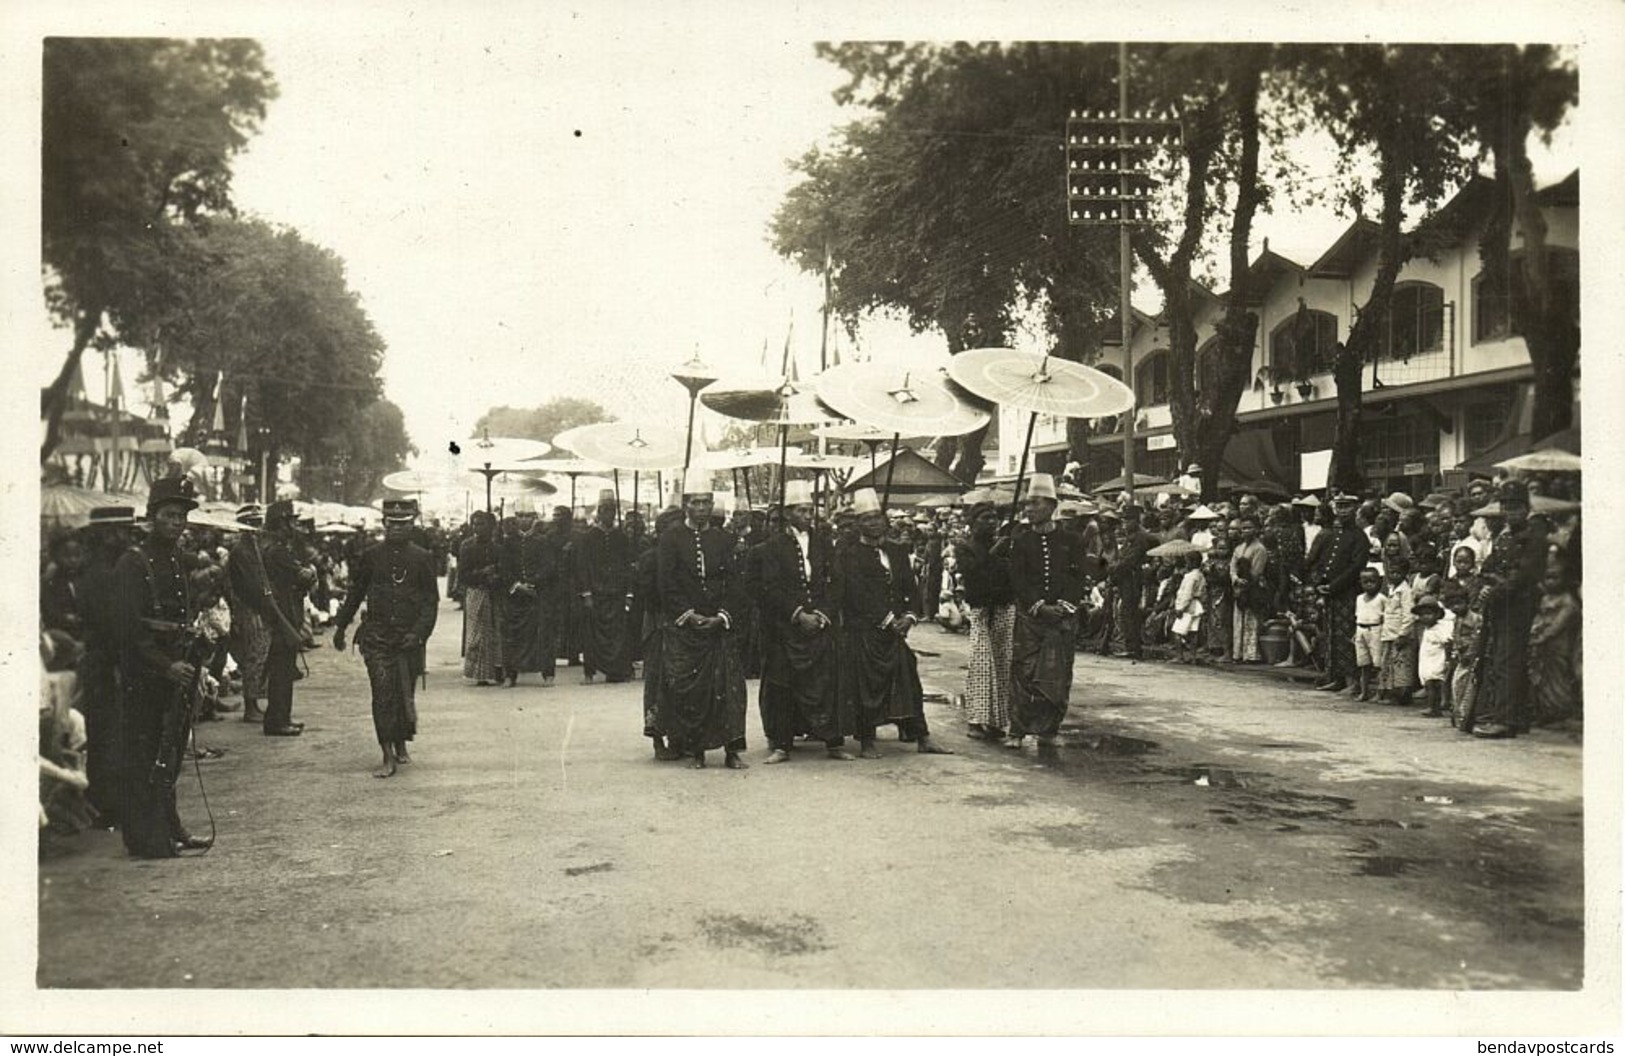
(1197, 829)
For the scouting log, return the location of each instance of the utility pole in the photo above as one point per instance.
(1109, 183)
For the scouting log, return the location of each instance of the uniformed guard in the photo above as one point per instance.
(152, 620)
(286, 580)
(396, 579)
(1047, 575)
(107, 537)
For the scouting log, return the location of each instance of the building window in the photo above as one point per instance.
(1397, 447)
(1415, 321)
(1492, 303)
(1151, 380)
(1304, 344)
(1484, 423)
(1492, 310)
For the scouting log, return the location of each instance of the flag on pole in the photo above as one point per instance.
(789, 367)
(160, 401)
(219, 425)
(242, 425)
(764, 355)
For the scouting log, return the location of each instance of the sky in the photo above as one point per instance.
(545, 202)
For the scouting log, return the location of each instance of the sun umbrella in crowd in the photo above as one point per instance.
(624, 445)
(1551, 460)
(783, 405)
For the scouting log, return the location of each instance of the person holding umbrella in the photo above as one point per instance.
(873, 589)
(1048, 575)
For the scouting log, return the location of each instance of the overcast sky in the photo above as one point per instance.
(540, 204)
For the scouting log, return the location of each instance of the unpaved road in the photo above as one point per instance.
(1198, 829)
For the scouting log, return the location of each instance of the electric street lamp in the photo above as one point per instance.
(693, 376)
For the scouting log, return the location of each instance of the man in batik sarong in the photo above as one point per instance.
(873, 591)
(478, 570)
(527, 578)
(1048, 574)
(396, 579)
(800, 662)
(702, 679)
(984, 568)
(603, 583)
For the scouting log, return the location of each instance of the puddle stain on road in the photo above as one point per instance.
(1516, 872)
(792, 936)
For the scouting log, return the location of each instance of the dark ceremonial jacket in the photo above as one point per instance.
(526, 558)
(865, 592)
(1050, 567)
(787, 589)
(603, 564)
(984, 574)
(478, 563)
(685, 586)
(1346, 552)
(149, 585)
(398, 585)
(1128, 569)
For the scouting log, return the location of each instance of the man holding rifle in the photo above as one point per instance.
(158, 668)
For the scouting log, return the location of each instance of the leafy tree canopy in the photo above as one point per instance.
(541, 423)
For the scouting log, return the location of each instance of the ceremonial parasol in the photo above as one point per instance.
(1537, 504)
(69, 505)
(901, 400)
(622, 445)
(736, 458)
(1174, 548)
(783, 405)
(1142, 481)
(569, 467)
(1039, 384)
(1551, 460)
(1177, 490)
(417, 480)
(693, 376)
(490, 456)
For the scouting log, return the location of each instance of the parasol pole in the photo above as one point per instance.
(487, 474)
(1021, 470)
(891, 466)
(572, 493)
(637, 494)
(784, 453)
(617, 471)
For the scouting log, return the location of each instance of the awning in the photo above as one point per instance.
(914, 475)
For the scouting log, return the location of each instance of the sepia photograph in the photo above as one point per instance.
(730, 520)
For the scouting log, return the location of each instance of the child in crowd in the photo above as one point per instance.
(1465, 646)
(1188, 607)
(1397, 679)
(1435, 628)
(1368, 609)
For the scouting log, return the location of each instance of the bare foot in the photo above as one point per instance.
(840, 753)
(699, 762)
(733, 762)
(402, 757)
(869, 751)
(387, 767)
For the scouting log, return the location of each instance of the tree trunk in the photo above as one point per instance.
(1229, 370)
(1549, 332)
(54, 401)
(1347, 472)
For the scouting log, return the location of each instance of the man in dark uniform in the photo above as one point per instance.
(107, 536)
(396, 579)
(800, 690)
(873, 588)
(562, 604)
(702, 678)
(249, 596)
(528, 576)
(1128, 576)
(1510, 598)
(1048, 575)
(286, 580)
(1336, 576)
(152, 610)
(60, 608)
(603, 581)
